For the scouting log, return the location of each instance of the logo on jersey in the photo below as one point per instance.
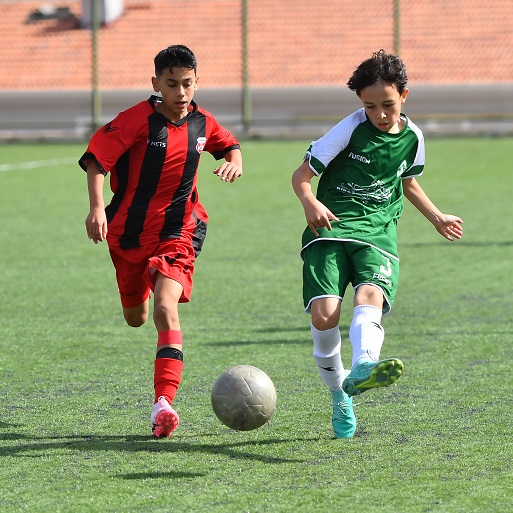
(201, 144)
(376, 191)
(402, 168)
(109, 128)
(361, 158)
(157, 144)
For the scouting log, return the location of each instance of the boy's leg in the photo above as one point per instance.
(170, 272)
(366, 332)
(134, 291)
(137, 272)
(136, 316)
(367, 335)
(326, 353)
(169, 356)
(326, 341)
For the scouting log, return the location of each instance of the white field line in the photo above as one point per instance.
(37, 163)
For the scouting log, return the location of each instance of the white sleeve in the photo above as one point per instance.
(324, 150)
(417, 167)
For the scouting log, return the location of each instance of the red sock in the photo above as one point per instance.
(167, 377)
(168, 365)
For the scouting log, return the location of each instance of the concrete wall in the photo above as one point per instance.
(291, 113)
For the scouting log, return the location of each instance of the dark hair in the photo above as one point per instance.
(174, 56)
(382, 66)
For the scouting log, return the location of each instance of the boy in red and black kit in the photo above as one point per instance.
(155, 225)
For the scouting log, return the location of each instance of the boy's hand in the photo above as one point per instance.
(228, 171)
(449, 227)
(96, 225)
(318, 216)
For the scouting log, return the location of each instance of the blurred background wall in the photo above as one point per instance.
(267, 68)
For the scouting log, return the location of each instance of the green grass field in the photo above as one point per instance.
(76, 382)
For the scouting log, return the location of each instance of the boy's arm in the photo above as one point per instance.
(317, 215)
(448, 226)
(231, 168)
(96, 221)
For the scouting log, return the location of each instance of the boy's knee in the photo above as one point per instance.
(165, 312)
(136, 317)
(368, 295)
(136, 321)
(325, 313)
(324, 323)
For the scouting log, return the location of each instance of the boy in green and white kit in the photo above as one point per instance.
(365, 163)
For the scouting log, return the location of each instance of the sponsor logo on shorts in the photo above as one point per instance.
(384, 279)
(130, 293)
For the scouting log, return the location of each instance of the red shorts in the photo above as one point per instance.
(136, 269)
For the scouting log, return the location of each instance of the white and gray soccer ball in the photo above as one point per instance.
(243, 397)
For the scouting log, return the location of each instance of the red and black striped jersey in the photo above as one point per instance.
(153, 167)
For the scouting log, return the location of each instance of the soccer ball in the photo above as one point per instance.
(243, 397)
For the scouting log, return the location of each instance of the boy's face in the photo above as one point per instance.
(177, 87)
(383, 103)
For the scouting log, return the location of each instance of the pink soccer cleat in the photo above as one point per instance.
(164, 420)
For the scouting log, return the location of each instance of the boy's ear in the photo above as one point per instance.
(196, 84)
(155, 85)
(404, 94)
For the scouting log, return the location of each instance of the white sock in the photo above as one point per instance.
(366, 333)
(326, 354)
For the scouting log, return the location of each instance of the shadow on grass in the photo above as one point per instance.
(5, 425)
(159, 475)
(133, 444)
(252, 342)
(277, 329)
(270, 342)
(458, 243)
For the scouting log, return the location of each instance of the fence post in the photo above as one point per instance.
(397, 26)
(95, 99)
(246, 93)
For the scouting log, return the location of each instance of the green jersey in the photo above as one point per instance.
(361, 170)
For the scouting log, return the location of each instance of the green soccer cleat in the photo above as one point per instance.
(367, 375)
(343, 420)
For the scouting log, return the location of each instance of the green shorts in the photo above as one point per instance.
(330, 265)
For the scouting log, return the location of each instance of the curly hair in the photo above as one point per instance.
(382, 66)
